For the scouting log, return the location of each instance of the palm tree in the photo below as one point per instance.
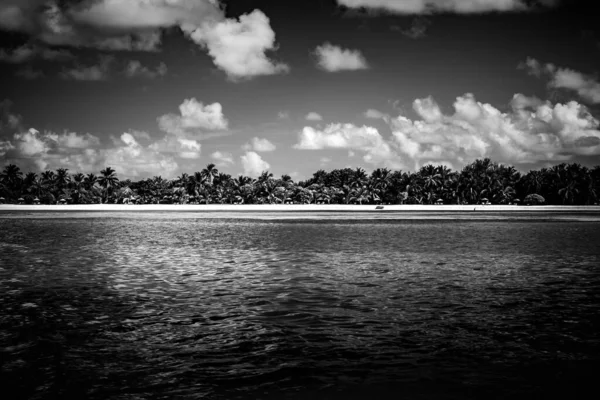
(39, 187)
(264, 177)
(360, 176)
(48, 176)
(108, 180)
(62, 178)
(210, 173)
(197, 184)
(431, 181)
(11, 175)
(89, 181)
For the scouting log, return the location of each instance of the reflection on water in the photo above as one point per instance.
(180, 307)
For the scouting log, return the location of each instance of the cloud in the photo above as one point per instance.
(427, 109)
(135, 69)
(333, 58)
(140, 135)
(374, 114)
(96, 72)
(351, 137)
(144, 14)
(283, 115)
(28, 52)
(194, 117)
(258, 144)
(133, 154)
(189, 148)
(313, 116)
(38, 151)
(238, 46)
(139, 41)
(5, 146)
(448, 6)
(108, 24)
(222, 159)
(253, 164)
(586, 86)
(131, 159)
(533, 131)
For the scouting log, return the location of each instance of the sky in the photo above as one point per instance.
(162, 87)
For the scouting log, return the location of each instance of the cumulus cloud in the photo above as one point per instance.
(37, 151)
(135, 69)
(313, 116)
(586, 86)
(253, 164)
(222, 159)
(283, 115)
(194, 118)
(374, 114)
(40, 150)
(334, 59)
(131, 159)
(533, 131)
(258, 144)
(350, 137)
(448, 6)
(238, 46)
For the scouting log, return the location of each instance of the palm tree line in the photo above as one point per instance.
(482, 181)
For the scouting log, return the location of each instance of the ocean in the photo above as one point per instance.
(298, 306)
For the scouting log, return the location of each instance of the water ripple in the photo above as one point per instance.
(147, 307)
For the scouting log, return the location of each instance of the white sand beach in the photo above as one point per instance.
(298, 208)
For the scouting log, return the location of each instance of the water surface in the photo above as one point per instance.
(176, 305)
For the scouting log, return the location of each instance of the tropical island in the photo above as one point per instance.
(481, 182)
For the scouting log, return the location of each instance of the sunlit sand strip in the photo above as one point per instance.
(305, 212)
(297, 208)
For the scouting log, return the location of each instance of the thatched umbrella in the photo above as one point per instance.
(62, 201)
(439, 201)
(20, 200)
(36, 201)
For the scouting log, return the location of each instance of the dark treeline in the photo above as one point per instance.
(483, 181)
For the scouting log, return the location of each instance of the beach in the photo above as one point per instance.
(300, 208)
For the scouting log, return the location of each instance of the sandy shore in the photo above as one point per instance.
(298, 208)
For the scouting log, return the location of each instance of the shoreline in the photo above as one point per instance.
(297, 208)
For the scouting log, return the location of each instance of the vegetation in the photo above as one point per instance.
(483, 181)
